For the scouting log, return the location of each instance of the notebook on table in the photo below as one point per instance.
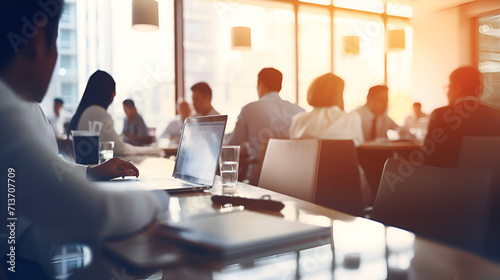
(244, 234)
(196, 160)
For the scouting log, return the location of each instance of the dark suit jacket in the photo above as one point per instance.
(449, 124)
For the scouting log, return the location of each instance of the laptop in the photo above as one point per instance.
(244, 233)
(196, 161)
(221, 238)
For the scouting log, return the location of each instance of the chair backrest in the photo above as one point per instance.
(483, 152)
(324, 172)
(480, 152)
(447, 204)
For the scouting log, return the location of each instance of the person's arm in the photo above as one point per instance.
(67, 206)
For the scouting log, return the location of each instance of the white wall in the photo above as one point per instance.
(436, 52)
(443, 41)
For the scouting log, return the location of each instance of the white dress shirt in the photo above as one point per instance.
(51, 200)
(384, 123)
(327, 123)
(58, 122)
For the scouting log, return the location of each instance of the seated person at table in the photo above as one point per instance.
(327, 120)
(173, 129)
(269, 117)
(135, 130)
(98, 95)
(202, 100)
(54, 204)
(417, 118)
(59, 118)
(374, 119)
(465, 115)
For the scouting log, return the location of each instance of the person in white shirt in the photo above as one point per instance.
(417, 121)
(99, 94)
(202, 100)
(374, 118)
(59, 118)
(51, 201)
(269, 117)
(327, 120)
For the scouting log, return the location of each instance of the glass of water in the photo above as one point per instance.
(106, 149)
(229, 163)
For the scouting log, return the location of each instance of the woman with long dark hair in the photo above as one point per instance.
(98, 95)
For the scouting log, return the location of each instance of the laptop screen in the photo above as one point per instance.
(199, 149)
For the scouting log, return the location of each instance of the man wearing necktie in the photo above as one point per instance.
(374, 118)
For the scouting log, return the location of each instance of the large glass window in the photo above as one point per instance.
(232, 74)
(489, 57)
(362, 70)
(376, 6)
(142, 64)
(98, 35)
(315, 57)
(401, 95)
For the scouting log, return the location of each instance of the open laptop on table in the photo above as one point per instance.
(196, 161)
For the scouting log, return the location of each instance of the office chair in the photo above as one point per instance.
(324, 172)
(483, 153)
(450, 205)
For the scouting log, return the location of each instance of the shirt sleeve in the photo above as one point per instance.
(66, 206)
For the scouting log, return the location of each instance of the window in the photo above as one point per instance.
(69, 12)
(401, 97)
(142, 64)
(375, 6)
(315, 57)
(69, 93)
(66, 39)
(359, 71)
(232, 74)
(489, 57)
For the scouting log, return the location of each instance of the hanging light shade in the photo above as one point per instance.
(145, 15)
(241, 38)
(396, 40)
(351, 45)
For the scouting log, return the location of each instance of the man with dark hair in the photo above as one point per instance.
(417, 120)
(374, 118)
(134, 130)
(54, 202)
(465, 115)
(202, 100)
(59, 118)
(269, 117)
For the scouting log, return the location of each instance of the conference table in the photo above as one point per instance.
(358, 248)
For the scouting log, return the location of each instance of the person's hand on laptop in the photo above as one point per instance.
(112, 168)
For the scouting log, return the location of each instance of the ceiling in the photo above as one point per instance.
(434, 5)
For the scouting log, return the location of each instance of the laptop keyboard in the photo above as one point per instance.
(165, 182)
